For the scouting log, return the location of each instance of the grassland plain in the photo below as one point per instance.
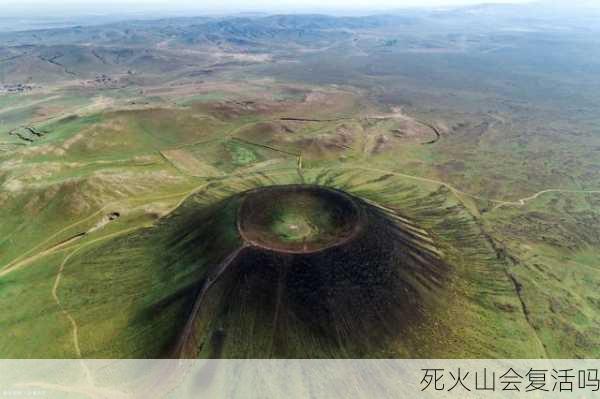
(114, 188)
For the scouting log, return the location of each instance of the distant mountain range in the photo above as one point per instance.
(153, 46)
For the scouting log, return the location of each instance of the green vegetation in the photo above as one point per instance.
(125, 161)
(241, 155)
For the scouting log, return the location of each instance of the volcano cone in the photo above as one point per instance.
(320, 273)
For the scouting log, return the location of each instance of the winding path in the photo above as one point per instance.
(500, 203)
(523, 201)
(59, 278)
(22, 260)
(187, 332)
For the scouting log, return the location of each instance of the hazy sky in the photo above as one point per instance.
(115, 6)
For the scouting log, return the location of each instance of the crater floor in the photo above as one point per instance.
(298, 218)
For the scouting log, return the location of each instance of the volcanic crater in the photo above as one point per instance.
(298, 218)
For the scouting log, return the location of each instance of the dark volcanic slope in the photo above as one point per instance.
(354, 298)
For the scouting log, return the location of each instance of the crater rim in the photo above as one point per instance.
(257, 225)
